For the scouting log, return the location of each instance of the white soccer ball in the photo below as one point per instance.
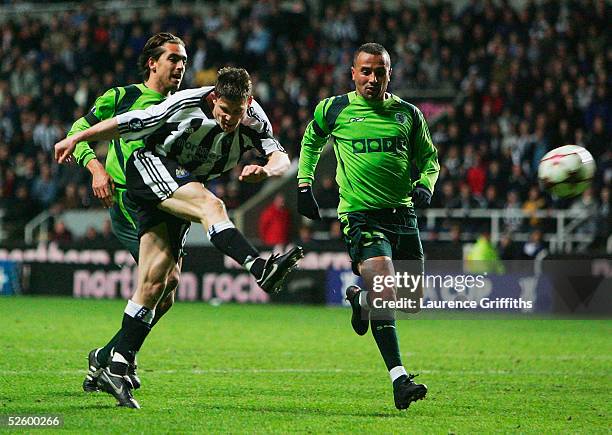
(566, 171)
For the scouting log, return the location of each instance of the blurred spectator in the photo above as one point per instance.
(445, 196)
(91, 236)
(70, 199)
(517, 182)
(274, 222)
(587, 203)
(483, 257)
(44, 188)
(106, 233)
(491, 199)
(305, 235)
(20, 209)
(477, 176)
(60, 233)
(454, 249)
(507, 248)
(534, 245)
(532, 205)
(46, 134)
(465, 201)
(512, 222)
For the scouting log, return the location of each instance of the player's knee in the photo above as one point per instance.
(211, 206)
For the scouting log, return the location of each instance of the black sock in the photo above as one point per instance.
(257, 267)
(103, 355)
(233, 244)
(386, 339)
(134, 332)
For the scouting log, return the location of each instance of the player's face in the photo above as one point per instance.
(169, 68)
(228, 113)
(371, 74)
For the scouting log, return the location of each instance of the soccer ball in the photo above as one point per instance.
(566, 171)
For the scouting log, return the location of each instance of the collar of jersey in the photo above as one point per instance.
(374, 103)
(144, 88)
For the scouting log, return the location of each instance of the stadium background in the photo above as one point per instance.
(501, 83)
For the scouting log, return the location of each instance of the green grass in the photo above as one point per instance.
(285, 369)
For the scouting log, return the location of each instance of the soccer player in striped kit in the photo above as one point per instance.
(192, 137)
(162, 64)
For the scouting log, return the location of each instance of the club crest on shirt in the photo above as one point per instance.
(182, 172)
(400, 117)
(135, 124)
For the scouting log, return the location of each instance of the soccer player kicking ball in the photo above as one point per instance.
(162, 64)
(193, 136)
(377, 137)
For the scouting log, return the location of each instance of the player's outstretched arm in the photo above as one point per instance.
(102, 183)
(278, 164)
(105, 130)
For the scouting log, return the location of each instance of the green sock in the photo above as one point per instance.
(386, 339)
(104, 353)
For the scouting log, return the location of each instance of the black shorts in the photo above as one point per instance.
(388, 232)
(150, 180)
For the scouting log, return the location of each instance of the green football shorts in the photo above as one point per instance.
(391, 232)
(124, 221)
(129, 221)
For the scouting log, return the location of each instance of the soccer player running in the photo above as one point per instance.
(377, 137)
(162, 64)
(192, 137)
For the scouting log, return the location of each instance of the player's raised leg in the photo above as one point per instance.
(194, 202)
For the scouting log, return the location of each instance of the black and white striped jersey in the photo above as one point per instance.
(183, 128)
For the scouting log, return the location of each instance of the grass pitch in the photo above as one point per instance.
(301, 369)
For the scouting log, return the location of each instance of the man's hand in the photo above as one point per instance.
(253, 174)
(102, 184)
(63, 150)
(421, 197)
(307, 204)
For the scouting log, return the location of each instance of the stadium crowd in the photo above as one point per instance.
(522, 81)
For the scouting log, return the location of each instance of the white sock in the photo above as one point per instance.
(117, 357)
(138, 311)
(218, 227)
(397, 372)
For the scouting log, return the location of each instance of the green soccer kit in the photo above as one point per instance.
(376, 143)
(114, 102)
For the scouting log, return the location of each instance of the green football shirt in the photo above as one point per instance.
(375, 143)
(114, 102)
